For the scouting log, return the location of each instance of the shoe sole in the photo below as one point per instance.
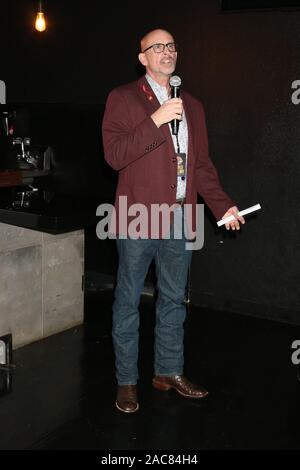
(127, 411)
(165, 388)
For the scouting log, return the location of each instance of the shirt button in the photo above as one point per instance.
(173, 186)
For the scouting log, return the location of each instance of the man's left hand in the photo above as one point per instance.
(234, 224)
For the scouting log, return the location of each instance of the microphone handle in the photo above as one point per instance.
(175, 92)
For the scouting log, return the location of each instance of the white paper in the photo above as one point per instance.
(243, 212)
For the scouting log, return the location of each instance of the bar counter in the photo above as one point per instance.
(41, 261)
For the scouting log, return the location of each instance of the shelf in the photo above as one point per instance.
(9, 178)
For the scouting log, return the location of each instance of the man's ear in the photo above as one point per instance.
(142, 59)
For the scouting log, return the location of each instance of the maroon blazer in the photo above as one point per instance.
(144, 154)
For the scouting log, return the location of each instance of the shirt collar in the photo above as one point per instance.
(156, 87)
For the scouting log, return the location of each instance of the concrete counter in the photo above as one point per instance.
(41, 282)
(41, 263)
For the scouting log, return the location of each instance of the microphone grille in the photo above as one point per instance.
(175, 80)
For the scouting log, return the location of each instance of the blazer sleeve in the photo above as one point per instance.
(124, 140)
(207, 179)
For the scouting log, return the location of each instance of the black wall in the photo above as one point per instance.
(241, 65)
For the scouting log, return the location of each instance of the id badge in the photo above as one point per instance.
(181, 164)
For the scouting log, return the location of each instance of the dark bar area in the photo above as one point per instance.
(117, 336)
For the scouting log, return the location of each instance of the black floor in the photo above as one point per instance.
(63, 388)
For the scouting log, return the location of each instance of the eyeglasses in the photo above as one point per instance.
(158, 48)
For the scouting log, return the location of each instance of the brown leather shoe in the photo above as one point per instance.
(181, 384)
(127, 399)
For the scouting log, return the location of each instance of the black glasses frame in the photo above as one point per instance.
(173, 44)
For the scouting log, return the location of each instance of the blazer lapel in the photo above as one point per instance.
(152, 104)
(148, 96)
(191, 130)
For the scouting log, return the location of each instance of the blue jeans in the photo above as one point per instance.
(172, 263)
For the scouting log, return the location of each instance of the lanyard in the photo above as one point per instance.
(177, 141)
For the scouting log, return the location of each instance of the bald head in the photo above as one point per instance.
(159, 65)
(154, 37)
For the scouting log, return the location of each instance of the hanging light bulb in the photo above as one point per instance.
(40, 22)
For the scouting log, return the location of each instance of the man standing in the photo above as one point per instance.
(138, 143)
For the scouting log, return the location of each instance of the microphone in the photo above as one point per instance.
(175, 83)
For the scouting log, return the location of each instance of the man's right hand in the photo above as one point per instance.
(169, 110)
